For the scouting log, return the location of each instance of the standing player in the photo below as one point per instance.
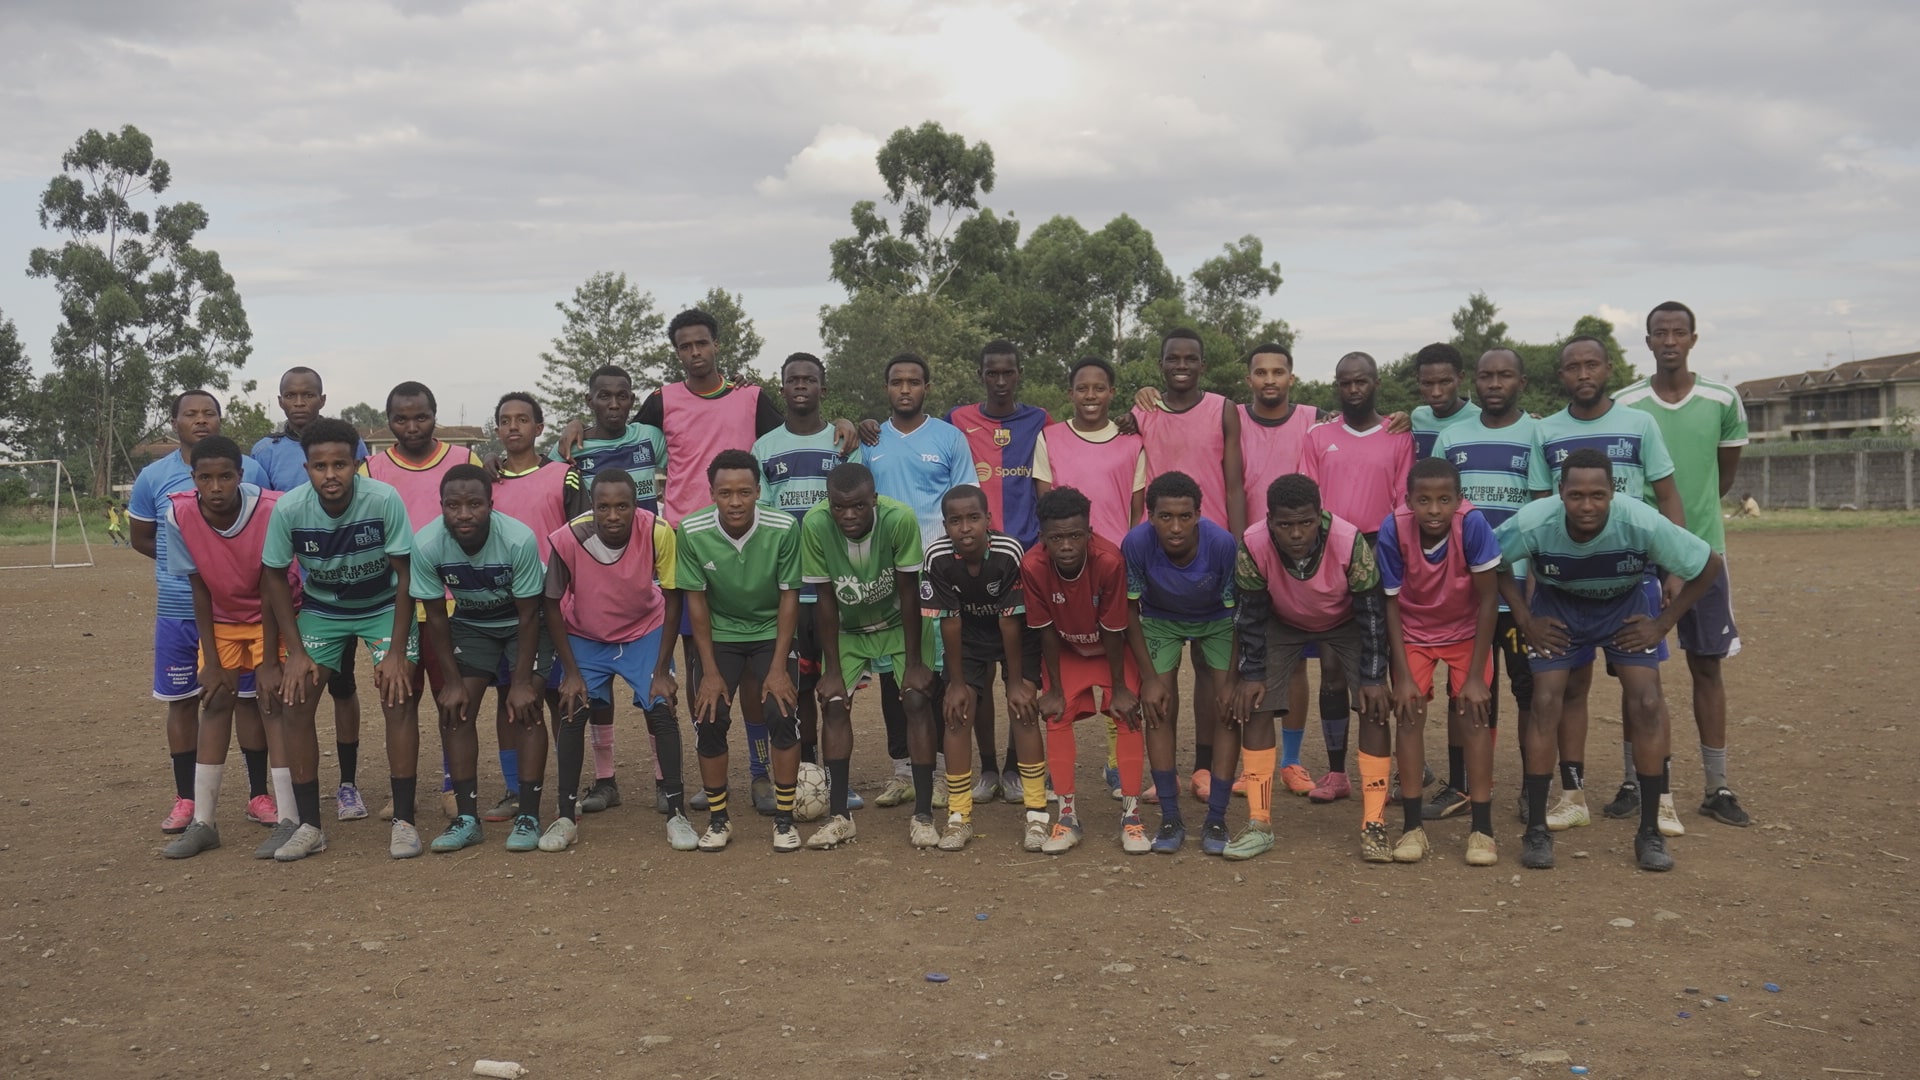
(739, 571)
(1004, 436)
(214, 535)
(491, 565)
(970, 586)
(350, 535)
(1360, 466)
(176, 639)
(1438, 560)
(1589, 552)
(1303, 576)
(1180, 590)
(1705, 426)
(866, 549)
(1076, 584)
(610, 586)
(1437, 369)
(795, 459)
(113, 523)
(1492, 451)
(1089, 453)
(1633, 444)
(302, 396)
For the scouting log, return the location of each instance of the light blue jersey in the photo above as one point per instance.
(921, 467)
(285, 461)
(1630, 439)
(1611, 564)
(1427, 426)
(486, 584)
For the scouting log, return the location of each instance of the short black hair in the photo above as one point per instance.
(608, 371)
(300, 370)
(849, 477)
(1671, 305)
(539, 417)
(326, 429)
(1439, 353)
(183, 395)
(1586, 457)
(692, 317)
(1183, 333)
(1269, 348)
(735, 458)
(1061, 504)
(1293, 491)
(804, 358)
(411, 388)
(613, 476)
(1519, 362)
(1173, 485)
(926, 373)
(1373, 366)
(466, 470)
(1093, 362)
(1433, 468)
(963, 491)
(1000, 347)
(1589, 338)
(215, 446)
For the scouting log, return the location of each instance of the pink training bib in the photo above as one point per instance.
(230, 565)
(1267, 452)
(1319, 603)
(697, 429)
(613, 602)
(1102, 471)
(1436, 600)
(1193, 442)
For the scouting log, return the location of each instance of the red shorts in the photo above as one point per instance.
(1081, 675)
(1421, 660)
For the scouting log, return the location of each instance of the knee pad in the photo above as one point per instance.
(783, 731)
(341, 685)
(710, 739)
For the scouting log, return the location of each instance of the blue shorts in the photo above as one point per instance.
(633, 661)
(176, 661)
(1707, 628)
(1591, 625)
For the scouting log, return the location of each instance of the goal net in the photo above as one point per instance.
(40, 517)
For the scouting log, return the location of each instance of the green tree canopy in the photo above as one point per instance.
(608, 321)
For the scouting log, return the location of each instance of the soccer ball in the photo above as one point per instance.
(810, 794)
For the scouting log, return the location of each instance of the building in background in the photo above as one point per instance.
(1880, 396)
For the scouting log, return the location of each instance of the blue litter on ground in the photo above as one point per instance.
(935, 977)
(1771, 988)
(1721, 997)
(1577, 1070)
(982, 916)
(1685, 1015)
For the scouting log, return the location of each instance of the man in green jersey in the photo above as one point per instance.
(1705, 427)
(739, 570)
(491, 565)
(865, 550)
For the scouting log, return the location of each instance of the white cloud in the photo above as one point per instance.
(839, 161)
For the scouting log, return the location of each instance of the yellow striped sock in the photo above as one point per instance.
(960, 795)
(1033, 785)
(783, 795)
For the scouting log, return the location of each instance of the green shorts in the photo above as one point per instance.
(1166, 637)
(328, 640)
(482, 652)
(885, 652)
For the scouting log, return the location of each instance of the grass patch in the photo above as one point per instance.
(1824, 519)
(30, 527)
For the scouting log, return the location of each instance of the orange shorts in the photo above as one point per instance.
(1081, 675)
(241, 646)
(1421, 660)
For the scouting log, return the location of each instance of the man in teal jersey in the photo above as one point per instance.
(1705, 427)
(1589, 554)
(353, 542)
(491, 565)
(1437, 368)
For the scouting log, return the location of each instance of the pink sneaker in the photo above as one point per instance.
(178, 818)
(1201, 784)
(262, 809)
(1331, 786)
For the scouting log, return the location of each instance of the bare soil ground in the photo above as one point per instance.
(623, 958)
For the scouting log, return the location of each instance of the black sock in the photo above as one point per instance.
(183, 774)
(810, 753)
(1410, 806)
(306, 802)
(1535, 785)
(1572, 775)
(403, 789)
(1013, 762)
(922, 790)
(466, 796)
(665, 729)
(1651, 788)
(530, 797)
(256, 771)
(570, 749)
(1203, 757)
(1457, 768)
(349, 760)
(837, 770)
(1482, 817)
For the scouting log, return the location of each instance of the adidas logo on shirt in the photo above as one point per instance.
(709, 565)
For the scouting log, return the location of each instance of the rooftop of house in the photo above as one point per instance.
(1898, 368)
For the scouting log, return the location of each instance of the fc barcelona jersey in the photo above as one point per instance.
(1002, 449)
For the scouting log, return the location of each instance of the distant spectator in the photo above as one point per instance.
(1749, 508)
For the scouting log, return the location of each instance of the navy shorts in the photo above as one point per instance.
(1707, 628)
(176, 661)
(1591, 626)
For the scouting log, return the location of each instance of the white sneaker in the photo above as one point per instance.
(1569, 811)
(405, 841)
(957, 834)
(1036, 836)
(986, 788)
(922, 833)
(306, 840)
(560, 835)
(838, 830)
(680, 834)
(1669, 818)
(786, 838)
(716, 836)
(1065, 838)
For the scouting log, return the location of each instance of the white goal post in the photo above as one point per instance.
(61, 478)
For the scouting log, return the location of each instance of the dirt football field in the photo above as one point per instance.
(1780, 950)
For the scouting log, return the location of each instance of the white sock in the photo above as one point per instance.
(1129, 805)
(1626, 763)
(283, 793)
(206, 790)
(903, 768)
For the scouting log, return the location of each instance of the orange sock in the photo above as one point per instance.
(1374, 773)
(1130, 752)
(1259, 768)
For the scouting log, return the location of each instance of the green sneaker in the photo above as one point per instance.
(462, 832)
(1255, 839)
(898, 790)
(525, 835)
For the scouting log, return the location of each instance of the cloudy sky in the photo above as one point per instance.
(404, 189)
